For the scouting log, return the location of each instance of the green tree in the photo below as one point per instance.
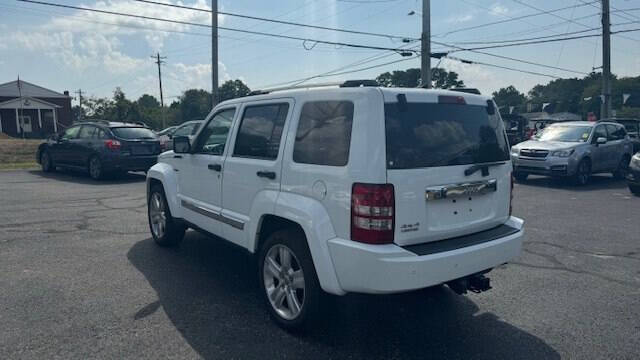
(510, 96)
(194, 104)
(232, 89)
(440, 78)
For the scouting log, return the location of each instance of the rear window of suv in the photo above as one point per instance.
(133, 133)
(420, 135)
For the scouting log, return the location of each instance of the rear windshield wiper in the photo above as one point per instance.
(484, 167)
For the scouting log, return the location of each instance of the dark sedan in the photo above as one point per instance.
(101, 148)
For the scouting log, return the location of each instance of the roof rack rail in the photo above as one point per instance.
(348, 83)
(467, 90)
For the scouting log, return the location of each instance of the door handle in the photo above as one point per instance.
(215, 167)
(266, 174)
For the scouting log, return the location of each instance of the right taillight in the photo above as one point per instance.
(372, 213)
(112, 144)
(511, 197)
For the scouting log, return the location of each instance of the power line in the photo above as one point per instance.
(304, 40)
(510, 19)
(279, 21)
(524, 39)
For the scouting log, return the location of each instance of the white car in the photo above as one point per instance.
(349, 189)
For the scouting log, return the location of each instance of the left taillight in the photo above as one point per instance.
(372, 213)
(112, 144)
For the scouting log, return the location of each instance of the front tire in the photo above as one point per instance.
(583, 173)
(288, 280)
(520, 177)
(635, 189)
(165, 230)
(46, 162)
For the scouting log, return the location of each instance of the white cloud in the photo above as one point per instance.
(462, 18)
(196, 75)
(497, 9)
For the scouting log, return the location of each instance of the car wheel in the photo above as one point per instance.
(583, 172)
(95, 168)
(635, 189)
(520, 177)
(46, 162)
(164, 228)
(623, 168)
(288, 280)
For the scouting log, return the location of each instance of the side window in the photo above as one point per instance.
(100, 134)
(70, 133)
(213, 138)
(86, 132)
(260, 131)
(184, 130)
(324, 133)
(599, 132)
(615, 132)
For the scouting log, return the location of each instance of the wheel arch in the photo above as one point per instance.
(310, 216)
(163, 175)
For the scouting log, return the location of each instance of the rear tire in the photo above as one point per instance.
(520, 177)
(96, 170)
(623, 168)
(288, 280)
(46, 162)
(583, 173)
(165, 230)
(635, 189)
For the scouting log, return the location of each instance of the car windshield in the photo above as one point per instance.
(422, 135)
(133, 133)
(565, 133)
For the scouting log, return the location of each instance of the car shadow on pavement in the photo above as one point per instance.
(209, 291)
(80, 177)
(597, 182)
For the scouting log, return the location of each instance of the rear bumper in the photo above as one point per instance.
(380, 269)
(130, 163)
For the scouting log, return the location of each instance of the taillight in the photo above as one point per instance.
(112, 144)
(372, 213)
(511, 197)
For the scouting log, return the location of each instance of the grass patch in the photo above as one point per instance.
(18, 153)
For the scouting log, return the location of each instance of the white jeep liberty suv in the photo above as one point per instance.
(348, 189)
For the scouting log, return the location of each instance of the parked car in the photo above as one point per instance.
(101, 148)
(574, 149)
(351, 189)
(633, 177)
(166, 131)
(188, 128)
(516, 127)
(633, 130)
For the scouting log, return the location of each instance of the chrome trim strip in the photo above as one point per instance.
(460, 190)
(212, 214)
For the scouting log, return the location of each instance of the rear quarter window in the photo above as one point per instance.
(323, 136)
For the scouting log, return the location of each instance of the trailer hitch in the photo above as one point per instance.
(476, 283)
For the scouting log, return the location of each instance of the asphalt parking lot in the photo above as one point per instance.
(81, 278)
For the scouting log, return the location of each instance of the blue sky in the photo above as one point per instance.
(66, 49)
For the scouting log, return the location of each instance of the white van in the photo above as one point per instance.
(347, 189)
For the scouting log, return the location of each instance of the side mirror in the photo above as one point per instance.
(181, 145)
(601, 141)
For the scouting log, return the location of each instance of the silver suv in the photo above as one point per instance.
(574, 149)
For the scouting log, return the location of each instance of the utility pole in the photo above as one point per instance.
(605, 107)
(425, 68)
(214, 53)
(79, 92)
(160, 62)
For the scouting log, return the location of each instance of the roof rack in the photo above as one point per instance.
(348, 83)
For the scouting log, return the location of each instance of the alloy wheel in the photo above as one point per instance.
(46, 162)
(157, 215)
(284, 282)
(583, 173)
(94, 168)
